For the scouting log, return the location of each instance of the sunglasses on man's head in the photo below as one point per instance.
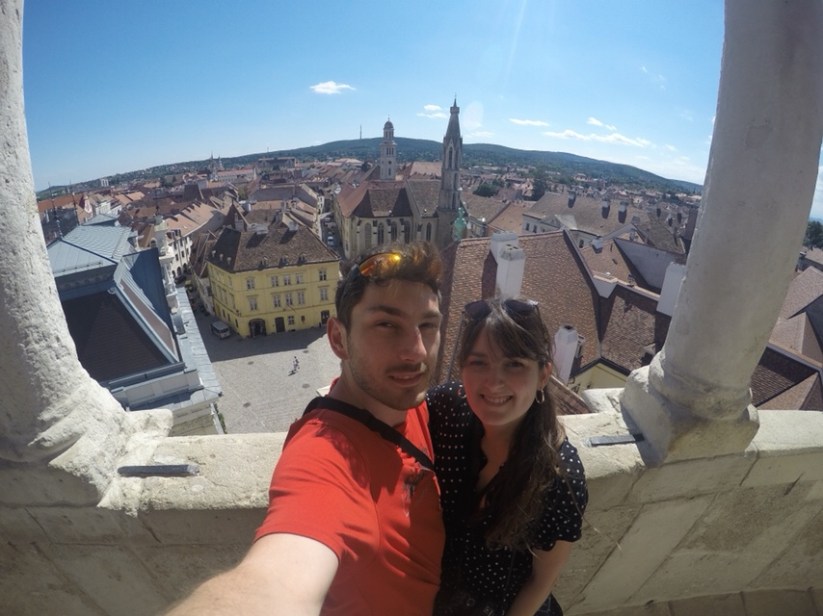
(380, 262)
(515, 308)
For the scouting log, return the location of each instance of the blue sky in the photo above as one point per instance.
(116, 86)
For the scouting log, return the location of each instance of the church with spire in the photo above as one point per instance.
(388, 153)
(449, 206)
(396, 202)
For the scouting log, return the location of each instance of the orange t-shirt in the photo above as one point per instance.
(373, 505)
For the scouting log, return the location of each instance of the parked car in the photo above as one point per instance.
(220, 329)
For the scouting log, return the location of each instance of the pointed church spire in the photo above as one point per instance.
(449, 203)
(388, 153)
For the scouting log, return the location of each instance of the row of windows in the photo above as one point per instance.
(534, 229)
(277, 322)
(289, 299)
(286, 279)
(291, 320)
(390, 232)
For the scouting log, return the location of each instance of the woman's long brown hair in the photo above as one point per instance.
(533, 462)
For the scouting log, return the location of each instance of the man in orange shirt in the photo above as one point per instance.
(354, 523)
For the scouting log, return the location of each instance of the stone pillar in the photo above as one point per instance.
(694, 398)
(55, 421)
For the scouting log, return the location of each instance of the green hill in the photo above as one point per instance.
(482, 154)
(560, 163)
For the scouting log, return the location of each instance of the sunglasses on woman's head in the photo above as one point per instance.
(515, 308)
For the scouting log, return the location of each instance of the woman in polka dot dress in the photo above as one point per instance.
(513, 487)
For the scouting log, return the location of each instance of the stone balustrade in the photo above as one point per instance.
(733, 526)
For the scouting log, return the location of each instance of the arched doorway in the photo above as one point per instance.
(257, 327)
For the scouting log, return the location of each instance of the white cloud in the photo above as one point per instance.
(471, 117)
(670, 147)
(616, 138)
(595, 122)
(433, 111)
(528, 122)
(330, 87)
(480, 134)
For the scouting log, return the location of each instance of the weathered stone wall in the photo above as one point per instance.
(748, 523)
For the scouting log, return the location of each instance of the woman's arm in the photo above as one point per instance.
(546, 567)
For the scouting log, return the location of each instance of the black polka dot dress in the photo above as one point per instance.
(491, 575)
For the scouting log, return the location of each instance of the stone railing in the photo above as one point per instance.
(743, 523)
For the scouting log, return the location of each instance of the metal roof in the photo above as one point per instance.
(89, 247)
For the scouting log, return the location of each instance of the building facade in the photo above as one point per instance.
(272, 280)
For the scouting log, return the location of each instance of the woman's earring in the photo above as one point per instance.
(540, 396)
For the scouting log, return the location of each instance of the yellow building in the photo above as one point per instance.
(273, 279)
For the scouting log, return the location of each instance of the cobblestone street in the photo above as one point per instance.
(261, 390)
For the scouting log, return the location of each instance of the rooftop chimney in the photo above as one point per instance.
(500, 239)
(567, 346)
(511, 262)
(675, 274)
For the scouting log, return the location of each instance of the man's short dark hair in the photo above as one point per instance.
(414, 262)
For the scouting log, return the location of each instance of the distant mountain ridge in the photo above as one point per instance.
(484, 154)
(408, 149)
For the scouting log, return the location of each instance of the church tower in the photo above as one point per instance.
(388, 153)
(449, 205)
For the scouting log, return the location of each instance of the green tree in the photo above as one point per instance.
(540, 183)
(814, 234)
(485, 190)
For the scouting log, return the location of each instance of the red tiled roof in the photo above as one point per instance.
(510, 218)
(378, 199)
(425, 168)
(554, 276)
(633, 330)
(806, 395)
(568, 402)
(424, 196)
(56, 202)
(624, 330)
(587, 212)
(806, 287)
(246, 251)
(484, 207)
(776, 374)
(656, 233)
(202, 246)
(813, 255)
(609, 261)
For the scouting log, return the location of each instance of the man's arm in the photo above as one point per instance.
(281, 574)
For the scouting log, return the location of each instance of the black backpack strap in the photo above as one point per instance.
(374, 424)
